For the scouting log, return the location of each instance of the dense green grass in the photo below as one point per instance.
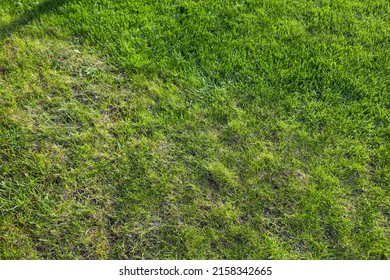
(219, 129)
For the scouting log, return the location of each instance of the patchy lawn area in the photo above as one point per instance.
(172, 129)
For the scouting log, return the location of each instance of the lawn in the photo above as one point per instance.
(195, 129)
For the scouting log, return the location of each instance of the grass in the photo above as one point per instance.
(194, 129)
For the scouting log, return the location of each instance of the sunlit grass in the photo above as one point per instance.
(194, 129)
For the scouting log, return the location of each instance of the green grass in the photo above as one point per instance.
(195, 129)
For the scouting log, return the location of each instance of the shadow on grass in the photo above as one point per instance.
(46, 7)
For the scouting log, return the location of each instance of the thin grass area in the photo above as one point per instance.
(194, 129)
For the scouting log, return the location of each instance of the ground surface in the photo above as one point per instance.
(213, 129)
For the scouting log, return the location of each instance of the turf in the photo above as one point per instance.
(194, 129)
